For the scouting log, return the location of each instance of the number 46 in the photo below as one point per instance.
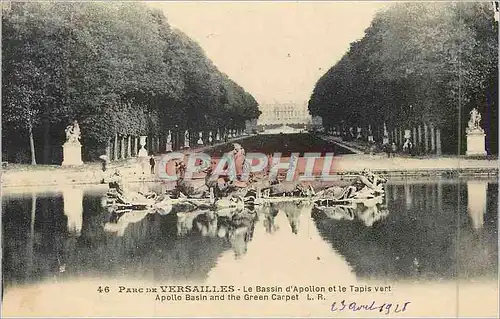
(101, 289)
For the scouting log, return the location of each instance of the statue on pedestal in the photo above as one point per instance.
(475, 135)
(186, 139)
(200, 138)
(210, 139)
(72, 149)
(169, 142)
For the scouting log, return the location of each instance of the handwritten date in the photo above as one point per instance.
(384, 308)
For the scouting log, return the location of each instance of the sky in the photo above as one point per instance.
(275, 50)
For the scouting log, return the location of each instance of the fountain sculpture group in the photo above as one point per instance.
(225, 194)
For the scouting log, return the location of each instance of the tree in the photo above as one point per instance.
(118, 68)
(417, 63)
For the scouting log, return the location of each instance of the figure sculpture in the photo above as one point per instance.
(474, 121)
(366, 185)
(73, 133)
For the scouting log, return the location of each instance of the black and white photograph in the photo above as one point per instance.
(189, 159)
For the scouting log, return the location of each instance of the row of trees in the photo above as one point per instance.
(418, 63)
(118, 68)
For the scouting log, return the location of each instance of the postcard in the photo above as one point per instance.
(246, 159)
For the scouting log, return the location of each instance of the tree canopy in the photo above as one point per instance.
(417, 63)
(117, 68)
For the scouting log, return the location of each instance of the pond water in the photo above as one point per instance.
(433, 229)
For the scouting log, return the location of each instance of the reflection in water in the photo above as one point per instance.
(411, 233)
(371, 211)
(422, 240)
(241, 229)
(31, 237)
(286, 247)
(235, 226)
(476, 194)
(408, 196)
(368, 211)
(120, 222)
(73, 208)
(269, 213)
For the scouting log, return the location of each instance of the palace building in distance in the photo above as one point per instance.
(284, 113)
(291, 114)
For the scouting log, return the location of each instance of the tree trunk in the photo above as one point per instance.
(32, 145)
(115, 147)
(46, 143)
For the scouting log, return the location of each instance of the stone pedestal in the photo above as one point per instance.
(168, 147)
(142, 152)
(385, 140)
(370, 138)
(475, 143)
(72, 154)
